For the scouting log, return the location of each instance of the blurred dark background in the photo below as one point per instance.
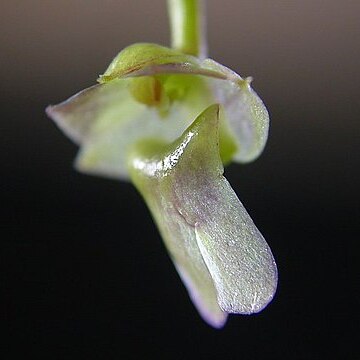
(84, 273)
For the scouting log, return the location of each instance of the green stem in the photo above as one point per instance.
(187, 24)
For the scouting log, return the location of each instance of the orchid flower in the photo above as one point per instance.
(168, 120)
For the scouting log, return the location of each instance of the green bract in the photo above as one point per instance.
(168, 122)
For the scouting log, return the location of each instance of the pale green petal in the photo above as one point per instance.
(209, 234)
(107, 118)
(180, 239)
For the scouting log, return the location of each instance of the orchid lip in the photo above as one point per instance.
(206, 229)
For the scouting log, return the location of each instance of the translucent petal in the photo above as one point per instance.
(76, 116)
(106, 119)
(246, 117)
(152, 174)
(180, 240)
(236, 254)
(209, 234)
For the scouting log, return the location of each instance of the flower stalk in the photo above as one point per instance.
(187, 26)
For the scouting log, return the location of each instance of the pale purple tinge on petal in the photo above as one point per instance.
(221, 256)
(213, 315)
(77, 115)
(236, 254)
(151, 176)
(241, 264)
(180, 241)
(246, 116)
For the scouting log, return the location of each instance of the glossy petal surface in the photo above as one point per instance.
(223, 259)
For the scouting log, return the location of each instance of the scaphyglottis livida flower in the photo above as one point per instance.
(168, 121)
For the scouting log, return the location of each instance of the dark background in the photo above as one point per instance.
(84, 273)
